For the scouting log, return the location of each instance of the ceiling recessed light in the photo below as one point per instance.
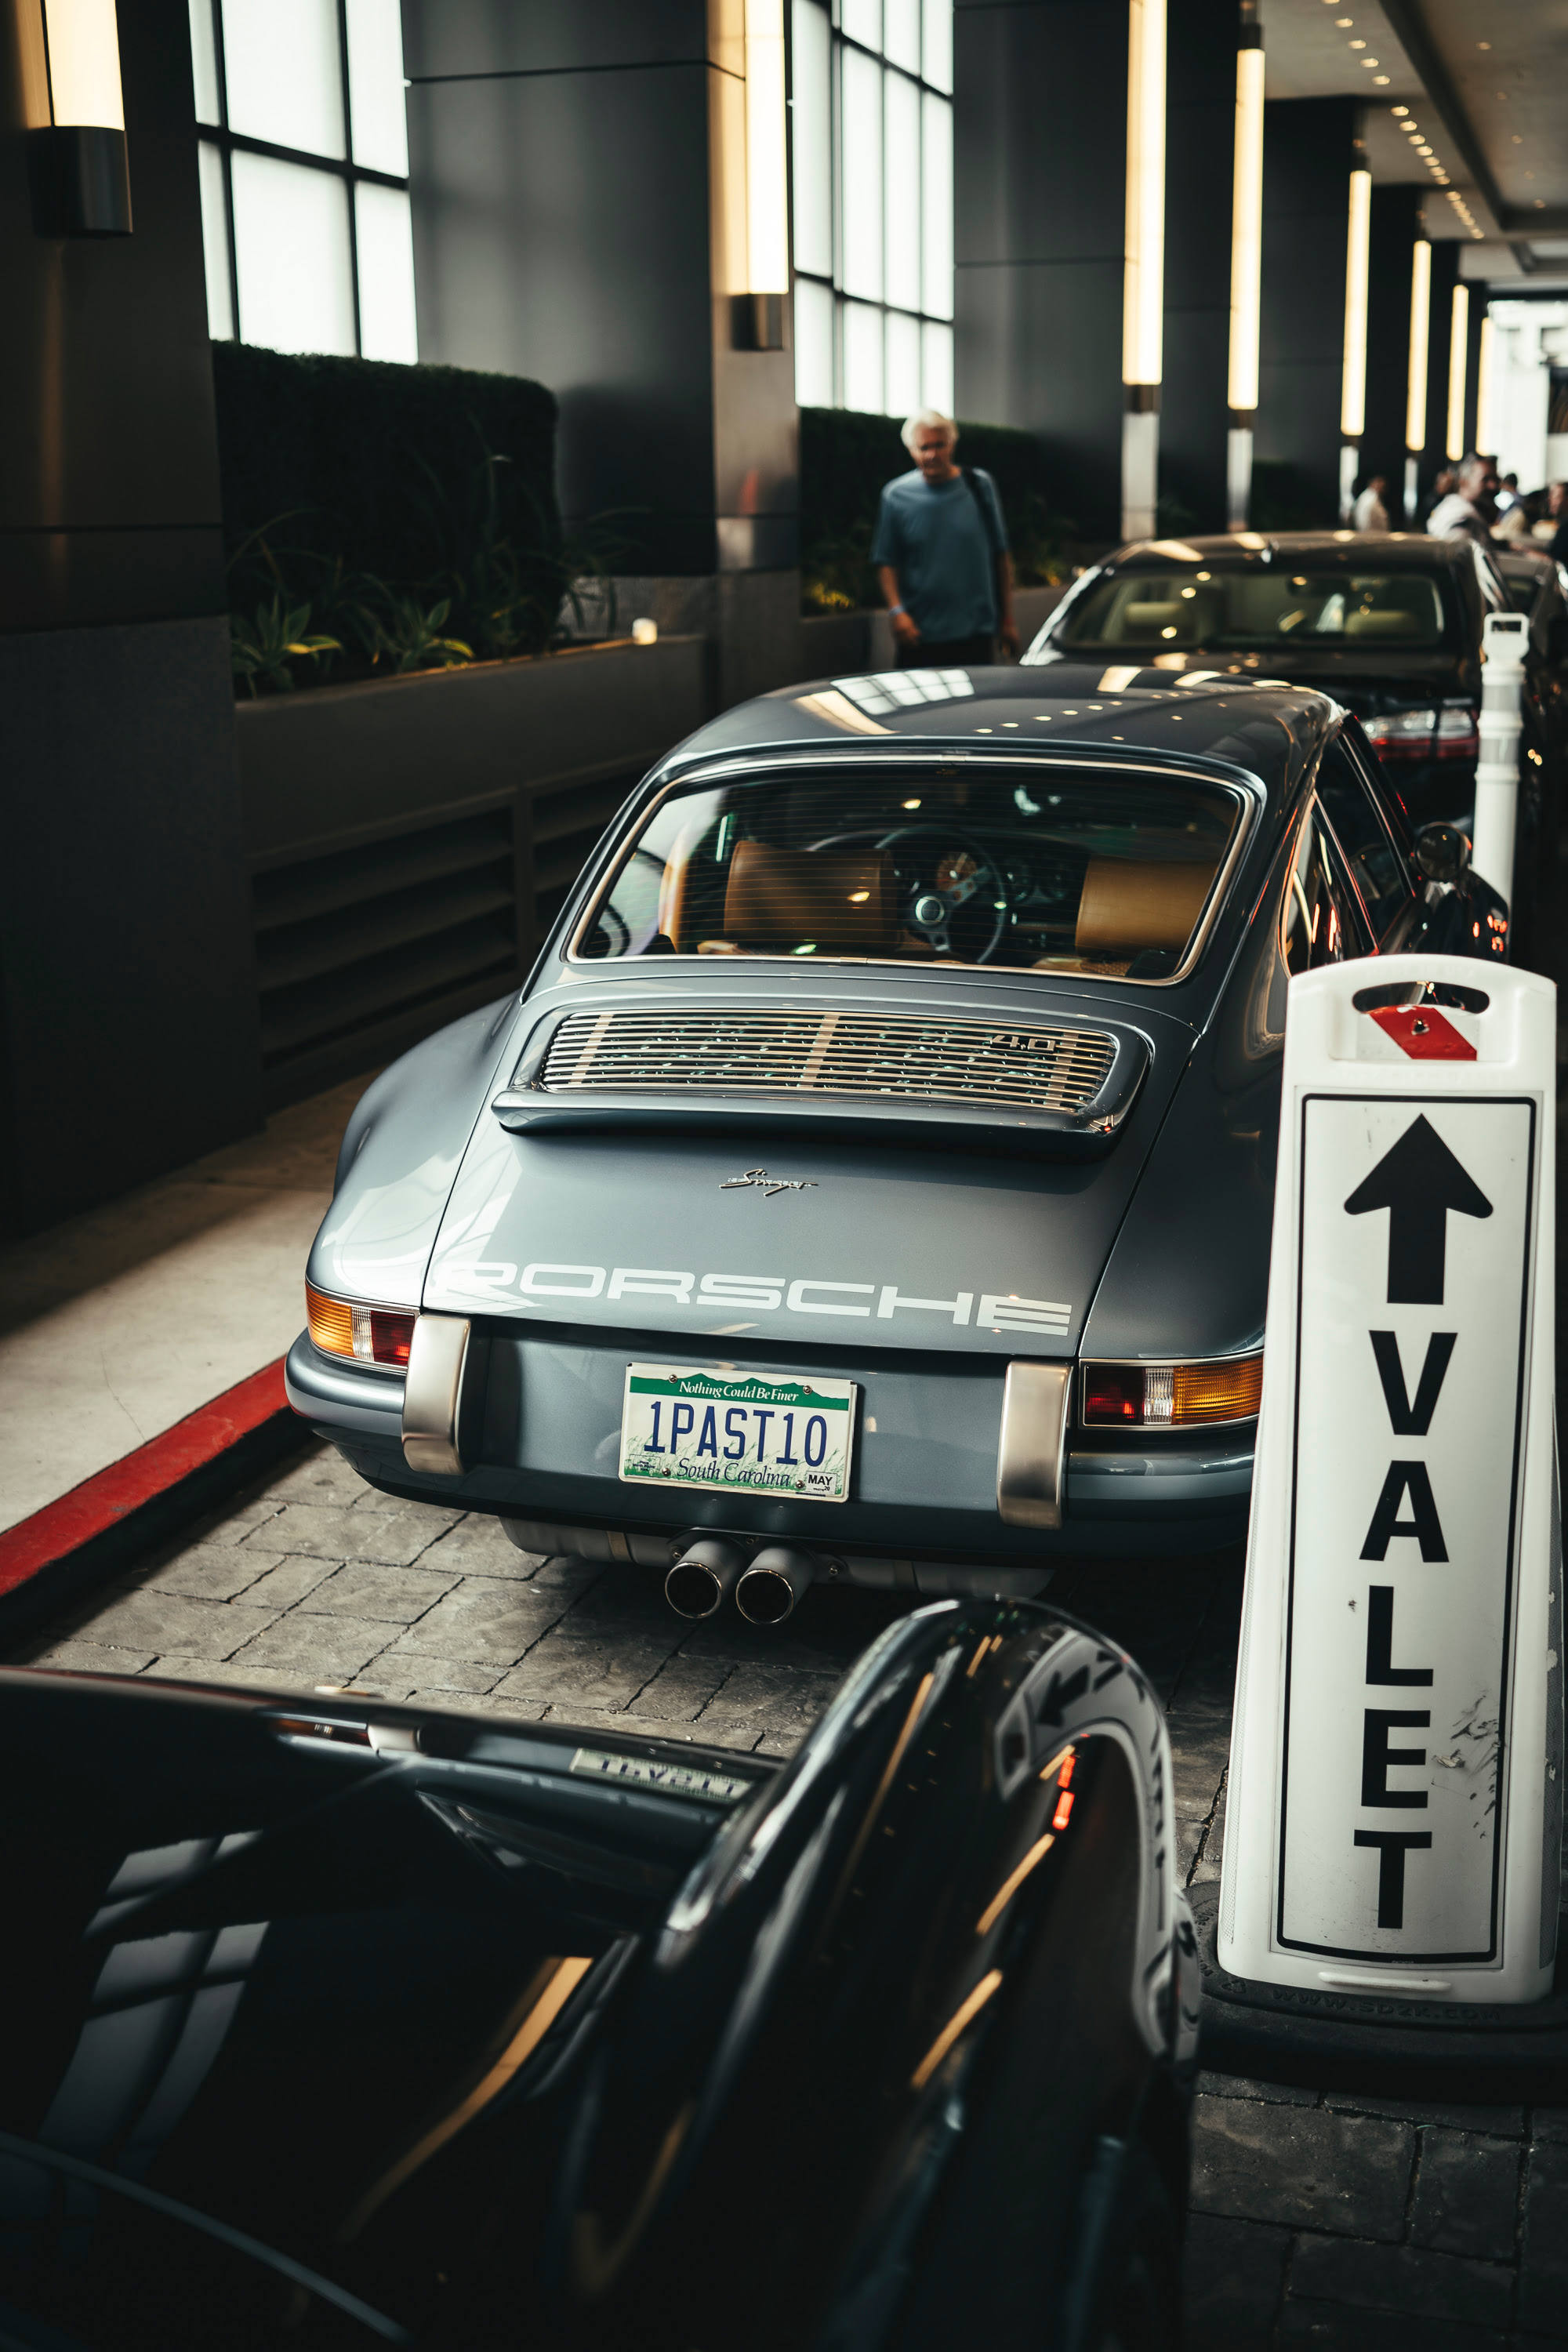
(1381, 80)
(1483, 44)
(1399, 109)
(1369, 63)
(1355, 45)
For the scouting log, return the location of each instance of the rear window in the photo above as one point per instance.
(1031, 867)
(1162, 611)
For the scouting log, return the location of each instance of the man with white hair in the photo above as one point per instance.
(1467, 511)
(941, 549)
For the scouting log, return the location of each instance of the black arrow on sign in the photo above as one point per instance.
(1418, 1181)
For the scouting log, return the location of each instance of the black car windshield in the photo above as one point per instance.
(1232, 611)
(1028, 866)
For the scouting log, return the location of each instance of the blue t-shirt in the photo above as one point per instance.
(937, 543)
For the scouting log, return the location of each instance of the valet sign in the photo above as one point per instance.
(1395, 1773)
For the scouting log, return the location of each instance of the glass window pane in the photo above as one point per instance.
(292, 253)
(813, 343)
(902, 386)
(902, 33)
(376, 113)
(862, 174)
(862, 20)
(938, 59)
(862, 357)
(214, 243)
(903, 192)
(936, 185)
(811, 121)
(285, 80)
(384, 231)
(204, 61)
(936, 368)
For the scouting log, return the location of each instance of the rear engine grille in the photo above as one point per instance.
(984, 1063)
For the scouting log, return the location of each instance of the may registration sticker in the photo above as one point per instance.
(741, 1432)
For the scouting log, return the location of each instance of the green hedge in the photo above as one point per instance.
(846, 457)
(396, 508)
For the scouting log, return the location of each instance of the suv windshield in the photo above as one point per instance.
(1035, 867)
(1168, 610)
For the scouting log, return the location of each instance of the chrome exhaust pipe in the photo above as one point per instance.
(703, 1574)
(771, 1587)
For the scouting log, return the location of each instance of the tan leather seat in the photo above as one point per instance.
(1129, 903)
(842, 899)
(1385, 623)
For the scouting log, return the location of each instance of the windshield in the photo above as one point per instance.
(1165, 611)
(1035, 867)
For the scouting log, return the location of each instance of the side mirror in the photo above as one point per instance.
(1442, 853)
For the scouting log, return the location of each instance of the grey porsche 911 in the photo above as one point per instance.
(873, 1180)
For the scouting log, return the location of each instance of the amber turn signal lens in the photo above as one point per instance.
(1172, 1396)
(1217, 1391)
(331, 1322)
(370, 1335)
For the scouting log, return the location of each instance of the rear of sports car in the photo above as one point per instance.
(827, 1209)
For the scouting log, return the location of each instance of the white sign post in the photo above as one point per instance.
(1497, 775)
(1394, 1808)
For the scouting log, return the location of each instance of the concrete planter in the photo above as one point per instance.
(410, 840)
(339, 764)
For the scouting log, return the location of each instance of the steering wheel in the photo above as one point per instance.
(932, 910)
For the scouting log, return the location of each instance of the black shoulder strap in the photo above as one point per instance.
(987, 519)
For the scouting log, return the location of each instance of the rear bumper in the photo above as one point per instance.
(923, 1484)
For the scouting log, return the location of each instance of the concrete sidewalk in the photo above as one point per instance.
(119, 1323)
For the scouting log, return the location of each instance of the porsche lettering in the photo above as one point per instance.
(794, 1294)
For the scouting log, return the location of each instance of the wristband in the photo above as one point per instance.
(895, 608)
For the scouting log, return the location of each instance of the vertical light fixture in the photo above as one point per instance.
(81, 181)
(1484, 388)
(1246, 274)
(1352, 379)
(1459, 339)
(751, 164)
(1415, 388)
(1143, 274)
(767, 168)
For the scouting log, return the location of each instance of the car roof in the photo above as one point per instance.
(1269, 730)
(1242, 551)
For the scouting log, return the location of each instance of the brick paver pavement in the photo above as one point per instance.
(1318, 2219)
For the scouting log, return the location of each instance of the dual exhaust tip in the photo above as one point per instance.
(767, 1584)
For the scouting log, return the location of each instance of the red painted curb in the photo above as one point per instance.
(60, 1529)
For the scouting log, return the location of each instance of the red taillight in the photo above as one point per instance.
(370, 1335)
(1113, 1392)
(1172, 1396)
(1457, 737)
(391, 1336)
(1402, 734)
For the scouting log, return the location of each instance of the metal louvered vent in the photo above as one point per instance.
(982, 1063)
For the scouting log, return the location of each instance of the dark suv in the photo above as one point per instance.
(1388, 624)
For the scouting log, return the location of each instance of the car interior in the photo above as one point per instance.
(1105, 876)
(1178, 609)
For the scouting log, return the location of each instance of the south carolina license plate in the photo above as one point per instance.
(743, 1431)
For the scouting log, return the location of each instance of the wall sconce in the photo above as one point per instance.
(1352, 380)
(1415, 388)
(1458, 338)
(759, 312)
(1143, 274)
(80, 183)
(1246, 274)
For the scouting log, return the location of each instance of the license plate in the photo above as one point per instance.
(744, 1433)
